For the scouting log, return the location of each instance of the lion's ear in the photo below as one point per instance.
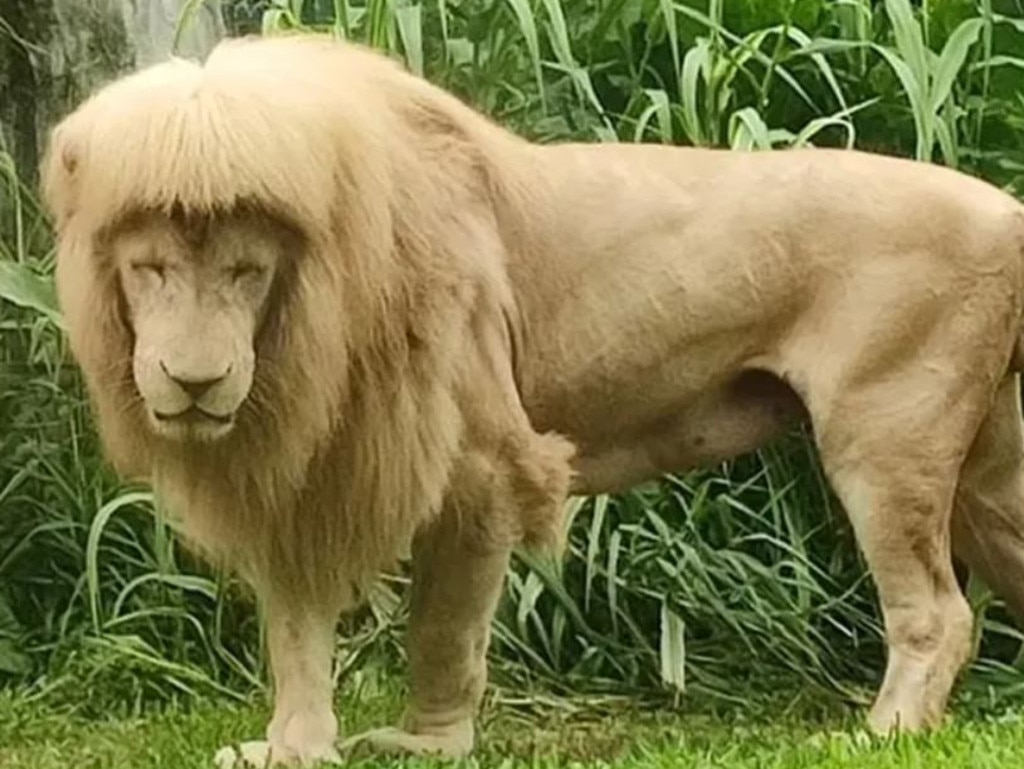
(69, 158)
(59, 174)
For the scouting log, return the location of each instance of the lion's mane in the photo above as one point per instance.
(348, 440)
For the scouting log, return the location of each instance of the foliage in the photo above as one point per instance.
(562, 735)
(723, 581)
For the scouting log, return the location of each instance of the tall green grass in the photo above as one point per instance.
(720, 582)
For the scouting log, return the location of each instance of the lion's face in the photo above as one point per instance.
(195, 294)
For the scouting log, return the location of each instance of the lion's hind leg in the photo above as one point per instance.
(988, 519)
(895, 471)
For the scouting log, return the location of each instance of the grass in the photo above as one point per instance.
(552, 733)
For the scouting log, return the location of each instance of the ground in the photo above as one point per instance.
(35, 734)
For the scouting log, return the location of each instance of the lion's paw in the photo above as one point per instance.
(456, 742)
(260, 754)
(247, 755)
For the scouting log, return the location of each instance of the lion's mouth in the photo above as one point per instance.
(194, 415)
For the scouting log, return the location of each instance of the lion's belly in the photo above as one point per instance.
(668, 378)
(617, 451)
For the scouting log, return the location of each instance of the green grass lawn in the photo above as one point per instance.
(568, 733)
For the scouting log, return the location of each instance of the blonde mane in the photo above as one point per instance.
(346, 445)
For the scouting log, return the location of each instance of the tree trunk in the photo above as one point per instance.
(153, 24)
(54, 53)
(27, 25)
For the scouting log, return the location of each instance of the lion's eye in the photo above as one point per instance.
(149, 268)
(246, 270)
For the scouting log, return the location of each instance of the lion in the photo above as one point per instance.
(338, 318)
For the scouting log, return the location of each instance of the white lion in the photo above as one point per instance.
(330, 313)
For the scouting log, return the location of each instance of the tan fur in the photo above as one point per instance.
(349, 385)
(448, 299)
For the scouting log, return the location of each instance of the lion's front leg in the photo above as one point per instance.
(457, 581)
(508, 487)
(303, 729)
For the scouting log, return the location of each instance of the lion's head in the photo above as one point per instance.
(278, 286)
(183, 207)
(195, 291)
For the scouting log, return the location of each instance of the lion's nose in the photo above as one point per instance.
(195, 387)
